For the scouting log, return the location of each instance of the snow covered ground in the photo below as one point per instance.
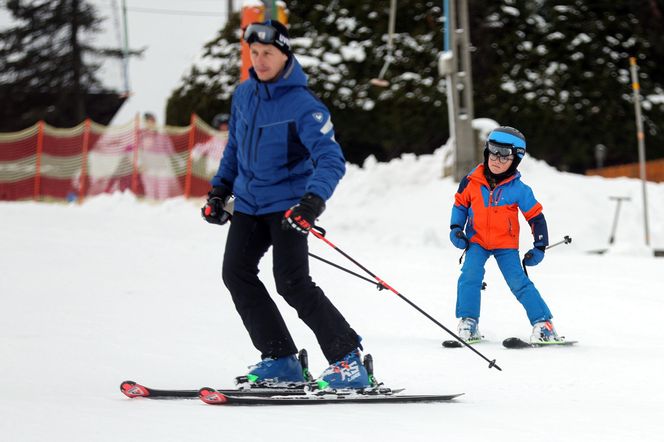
(115, 289)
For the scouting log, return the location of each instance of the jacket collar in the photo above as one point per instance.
(477, 175)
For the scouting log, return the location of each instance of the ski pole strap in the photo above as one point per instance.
(319, 230)
(463, 254)
(523, 264)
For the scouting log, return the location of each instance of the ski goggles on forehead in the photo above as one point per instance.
(501, 150)
(260, 33)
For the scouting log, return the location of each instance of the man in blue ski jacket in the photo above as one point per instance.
(281, 164)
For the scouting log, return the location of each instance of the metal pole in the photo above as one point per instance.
(466, 68)
(451, 73)
(125, 48)
(455, 65)
(390, 38)
(641, 142)
(270, 11)
(619, 199)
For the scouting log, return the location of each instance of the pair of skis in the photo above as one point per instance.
(296, 395)
(304, 393)
(514, 343)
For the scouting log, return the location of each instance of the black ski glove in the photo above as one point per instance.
(213, 211)
(301, 217)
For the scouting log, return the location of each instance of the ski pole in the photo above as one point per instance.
(566, 240)
(377, 284)
(357, 275)
(316, 231)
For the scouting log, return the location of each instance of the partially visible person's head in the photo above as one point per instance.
(269, 48)
(220, 121)
(150, 120)
(503, 151)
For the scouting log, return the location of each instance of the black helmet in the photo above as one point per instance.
(220, 119)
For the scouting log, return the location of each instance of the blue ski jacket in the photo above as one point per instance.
(280, 144)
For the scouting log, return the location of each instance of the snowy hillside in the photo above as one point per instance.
(119, 289)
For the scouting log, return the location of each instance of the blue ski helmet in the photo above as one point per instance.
(504, 141)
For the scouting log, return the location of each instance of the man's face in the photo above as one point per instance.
(267, 61)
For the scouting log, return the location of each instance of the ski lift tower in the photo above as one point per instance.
(454, 64)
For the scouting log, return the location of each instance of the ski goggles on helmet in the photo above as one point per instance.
(504, 144)
(500, 150)
(266, 34)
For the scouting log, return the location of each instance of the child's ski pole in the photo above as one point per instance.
(566, 240)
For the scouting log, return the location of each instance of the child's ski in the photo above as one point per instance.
(517, 343)
(453, 343)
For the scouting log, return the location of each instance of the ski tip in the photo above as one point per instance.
(131, 389)
(211, 396)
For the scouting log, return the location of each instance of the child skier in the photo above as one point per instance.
(486, 205)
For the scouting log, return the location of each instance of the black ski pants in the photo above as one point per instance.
(249, 238)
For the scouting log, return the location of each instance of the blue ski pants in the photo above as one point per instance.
(469, 285)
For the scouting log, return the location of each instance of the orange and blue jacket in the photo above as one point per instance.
(490, 217)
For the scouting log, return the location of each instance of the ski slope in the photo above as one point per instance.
(115, 289)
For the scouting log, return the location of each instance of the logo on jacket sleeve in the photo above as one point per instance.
(318, 116)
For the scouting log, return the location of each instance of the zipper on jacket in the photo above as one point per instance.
(248, 143)
(252, 143)
(488, 219)
(258, 137)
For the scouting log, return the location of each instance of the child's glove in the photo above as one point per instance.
(458, 238)
(534, 256)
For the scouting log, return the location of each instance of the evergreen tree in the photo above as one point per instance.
(208, 87)
(47, 68)
(342, 46)
(559, 71)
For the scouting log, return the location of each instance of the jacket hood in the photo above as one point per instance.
(291, 76)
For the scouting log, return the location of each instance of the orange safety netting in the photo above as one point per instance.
(90, 159)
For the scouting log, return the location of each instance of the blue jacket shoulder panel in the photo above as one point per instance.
(316, 132)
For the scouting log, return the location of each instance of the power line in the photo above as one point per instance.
(176, 12)
(180, 12)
